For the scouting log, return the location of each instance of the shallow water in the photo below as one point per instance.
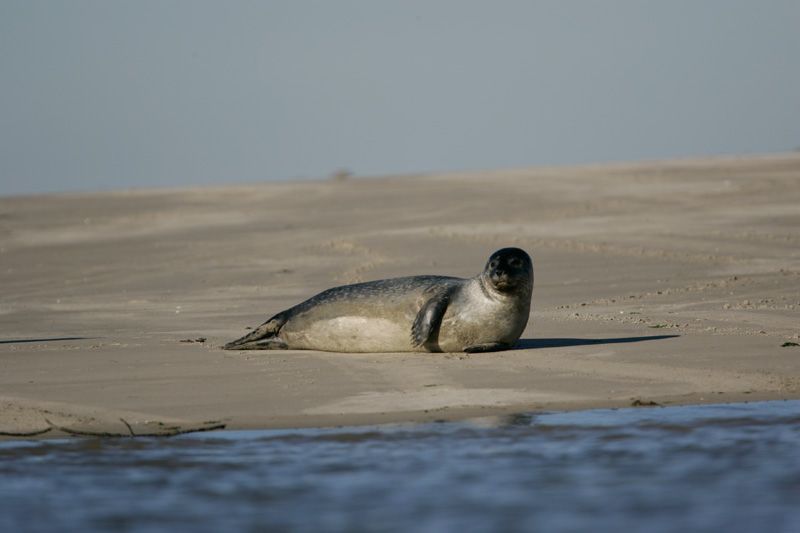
(720, 467)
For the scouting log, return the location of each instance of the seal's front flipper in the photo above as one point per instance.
(425, 330)
(487, 347)
(262, 337)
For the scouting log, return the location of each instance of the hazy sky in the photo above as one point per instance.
(106, 94)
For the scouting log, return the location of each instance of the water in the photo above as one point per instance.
(712, 468)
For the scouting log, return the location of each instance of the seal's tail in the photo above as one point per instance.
(264, 337)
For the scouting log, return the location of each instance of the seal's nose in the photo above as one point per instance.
(500, 275)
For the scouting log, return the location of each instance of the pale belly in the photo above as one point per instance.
(351, 334)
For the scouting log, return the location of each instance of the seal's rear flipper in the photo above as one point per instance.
(264, 337)
(273, 343)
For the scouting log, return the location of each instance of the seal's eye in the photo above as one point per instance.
(493, 263)
(515, 262)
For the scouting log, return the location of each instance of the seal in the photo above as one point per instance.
(412, 314)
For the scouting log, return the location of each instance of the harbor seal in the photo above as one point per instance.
(413, 314)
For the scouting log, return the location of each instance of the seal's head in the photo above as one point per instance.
(509, 270)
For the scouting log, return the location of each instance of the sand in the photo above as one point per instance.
(667, 282)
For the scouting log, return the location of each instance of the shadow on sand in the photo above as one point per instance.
(51, 339)
(528, 344)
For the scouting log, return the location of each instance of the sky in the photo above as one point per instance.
(99, 95)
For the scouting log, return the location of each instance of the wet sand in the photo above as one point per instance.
(667, 282)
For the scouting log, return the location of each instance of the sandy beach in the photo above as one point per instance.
(662, 282)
